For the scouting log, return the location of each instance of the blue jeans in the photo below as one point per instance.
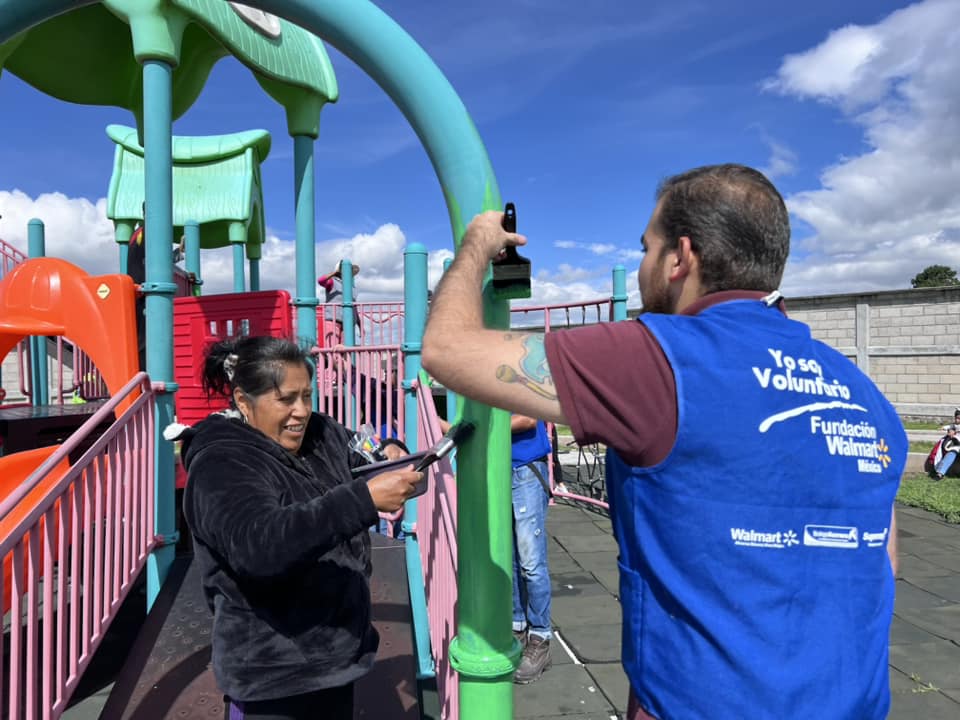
(531, 578)
(946, 461)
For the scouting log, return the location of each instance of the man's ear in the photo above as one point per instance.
(685, 261)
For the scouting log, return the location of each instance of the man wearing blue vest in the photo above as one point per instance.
(756, 562)
(530, 448)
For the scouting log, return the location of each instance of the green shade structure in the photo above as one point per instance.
(92, 55)
(216, 182)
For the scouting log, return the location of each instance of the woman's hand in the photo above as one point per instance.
(392, 452)
(389, 490)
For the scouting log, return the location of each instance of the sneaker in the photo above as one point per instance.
(939, 476)
(535, 659)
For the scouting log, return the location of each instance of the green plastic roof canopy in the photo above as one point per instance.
(91, 55)
(216, 181)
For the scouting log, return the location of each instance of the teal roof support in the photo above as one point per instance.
(619, 298)
(191, 251)
(239, 284)
(414, 321)
(159, 290)
(306, 248)
(349, 318)
(39, 380)
(349, 331)
(254, 274)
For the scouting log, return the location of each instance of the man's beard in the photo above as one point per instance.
(657, 297)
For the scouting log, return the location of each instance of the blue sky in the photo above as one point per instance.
(853, 108)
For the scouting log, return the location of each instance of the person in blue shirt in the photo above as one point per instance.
(530, 448)
(757, 562)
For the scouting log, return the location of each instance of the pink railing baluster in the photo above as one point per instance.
(16, 631)
(437, 535)
(33, 621)
(83, 537)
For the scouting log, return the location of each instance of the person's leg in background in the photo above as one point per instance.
(946, 462)
(530, 500)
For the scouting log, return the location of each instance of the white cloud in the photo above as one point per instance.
(783, 161)
(78, 230)
(601, 248)
(898, 199)
(565, 244)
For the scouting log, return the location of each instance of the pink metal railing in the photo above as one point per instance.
(361, 385)
(556, 317)
(10, 257)
(565, 315)
(436, 530)
(375, 324)
(83, 544)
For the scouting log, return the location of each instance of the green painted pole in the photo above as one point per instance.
(619, 298)
(484, 651)
(306, 250)
(159, 290)
(39, 380)
(414, 321)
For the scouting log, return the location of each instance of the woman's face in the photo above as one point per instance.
(281, 414)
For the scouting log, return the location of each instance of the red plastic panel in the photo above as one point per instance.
(200, 321)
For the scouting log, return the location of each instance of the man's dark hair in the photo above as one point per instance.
(737, 223)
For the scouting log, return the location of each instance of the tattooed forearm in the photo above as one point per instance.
(533, 372)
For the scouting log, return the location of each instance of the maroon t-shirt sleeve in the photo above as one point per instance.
(616, 387)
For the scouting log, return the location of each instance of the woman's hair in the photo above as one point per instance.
(255, 364)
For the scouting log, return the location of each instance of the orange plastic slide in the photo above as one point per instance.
(14, 470)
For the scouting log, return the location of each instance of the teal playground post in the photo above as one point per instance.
(414, 321)
(238, 238)
(619, 298)
(159, 290)
(191, 252)
(39, 381)
(306, 300)
(349, 319)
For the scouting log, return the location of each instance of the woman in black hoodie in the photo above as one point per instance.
(280, 532)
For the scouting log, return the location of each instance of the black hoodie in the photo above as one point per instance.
(284, 552)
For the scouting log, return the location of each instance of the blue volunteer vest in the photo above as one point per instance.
(754, 577)
(530, 445)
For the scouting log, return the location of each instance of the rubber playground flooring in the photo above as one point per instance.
(586, 681)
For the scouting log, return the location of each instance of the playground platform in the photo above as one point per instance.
(587, 682)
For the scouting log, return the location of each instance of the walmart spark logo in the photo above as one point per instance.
(790, 538)
(883, 452)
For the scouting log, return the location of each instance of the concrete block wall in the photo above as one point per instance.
(907, 341)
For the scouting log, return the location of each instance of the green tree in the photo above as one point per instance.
(935, 276)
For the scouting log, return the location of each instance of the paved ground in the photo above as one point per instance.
(924, 639)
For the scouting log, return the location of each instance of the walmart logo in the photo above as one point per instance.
(883, 452)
